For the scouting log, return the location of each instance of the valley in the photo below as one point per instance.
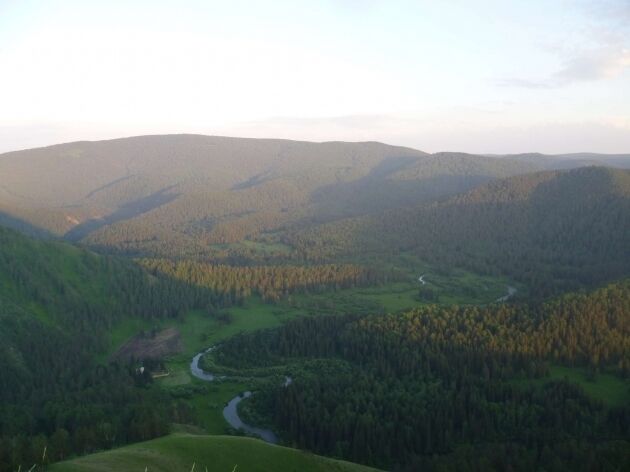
(344, 301)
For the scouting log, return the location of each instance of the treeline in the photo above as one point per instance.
(446, 387)
(553, 231)
(271, 283)
(56, 304)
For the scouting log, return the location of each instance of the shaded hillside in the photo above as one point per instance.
(56, 304)
(185, 195)
(552, 230)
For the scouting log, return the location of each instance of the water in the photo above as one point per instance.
(198, 371)
(230, 412)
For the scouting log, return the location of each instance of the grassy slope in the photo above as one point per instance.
(178, 452)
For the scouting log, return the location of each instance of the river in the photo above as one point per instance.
(230, 412)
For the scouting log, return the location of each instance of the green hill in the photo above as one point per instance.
(180, 452)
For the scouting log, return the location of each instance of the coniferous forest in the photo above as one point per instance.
(361, 302)
(446, 388)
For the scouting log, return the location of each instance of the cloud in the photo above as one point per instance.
(604, 52)
(594, 65)
(589, 65)
(525, 83)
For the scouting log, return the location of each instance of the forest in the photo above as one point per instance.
(271, 283)
(450, 388)
(541, 229)
(439, 311)
(57, 303)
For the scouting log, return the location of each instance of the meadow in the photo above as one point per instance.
(188, 452)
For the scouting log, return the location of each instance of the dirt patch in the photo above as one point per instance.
(150, 345)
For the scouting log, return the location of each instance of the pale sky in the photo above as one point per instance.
(485, 76)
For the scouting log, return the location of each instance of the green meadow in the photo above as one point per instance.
(188, 452)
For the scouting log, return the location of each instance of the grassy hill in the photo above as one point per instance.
(198, 195)
(178, 452)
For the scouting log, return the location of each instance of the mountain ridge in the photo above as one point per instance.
(147, 194)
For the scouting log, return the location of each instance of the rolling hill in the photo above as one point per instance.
(179, 452)
(192, 195)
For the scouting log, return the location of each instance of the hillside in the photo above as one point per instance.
(555, 230)
(515, 386)
(178, 452)
(57, 303)
(195, 195)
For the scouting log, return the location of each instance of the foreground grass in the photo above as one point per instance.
(180, 451)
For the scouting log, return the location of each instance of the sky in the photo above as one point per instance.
(481, 76)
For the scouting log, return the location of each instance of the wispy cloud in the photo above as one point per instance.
(589, 65)
(594, 65)
(605, 53)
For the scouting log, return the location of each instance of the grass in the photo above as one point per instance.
(186, 452)
(610, 389)
(458, 287)
(209, 406)
(198, 331)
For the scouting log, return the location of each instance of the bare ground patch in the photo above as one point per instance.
(150, 345)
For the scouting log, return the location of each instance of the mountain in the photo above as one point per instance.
(190, 195)
(554, 230)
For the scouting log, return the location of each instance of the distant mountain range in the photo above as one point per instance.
(150, 194)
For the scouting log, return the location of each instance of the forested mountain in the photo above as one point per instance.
(186, 195)
(236, 235)
(555, 230)
(452, 388)
(56, 304)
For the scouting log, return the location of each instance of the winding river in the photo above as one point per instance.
(511, 291)
(230, 412)
(197, 371)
